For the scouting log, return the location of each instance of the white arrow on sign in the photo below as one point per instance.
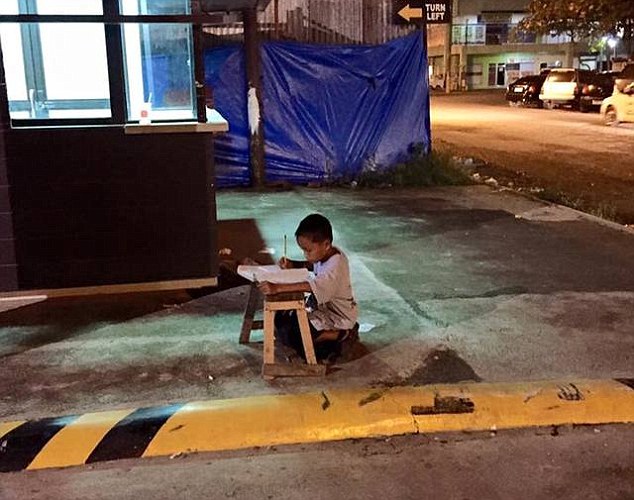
(408, 13)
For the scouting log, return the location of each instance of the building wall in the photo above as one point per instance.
(94, 206)
(514, 64)
(475, 7)
(483, 35)
(8, 266)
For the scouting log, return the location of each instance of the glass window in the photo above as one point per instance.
(9, 7)
(154, 7)
(561, 76)
(56, 71)
(159, 70)
(74, 58)
(12, 52)
(61, 70)
(76, 7)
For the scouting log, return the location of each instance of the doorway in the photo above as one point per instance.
(497, 74)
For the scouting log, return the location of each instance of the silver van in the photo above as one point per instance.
(563, 87)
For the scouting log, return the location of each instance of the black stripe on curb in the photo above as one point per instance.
(626, 381)
(20, 446)
(130, 437)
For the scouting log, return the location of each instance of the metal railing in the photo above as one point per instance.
(321, 21)
(498, 34)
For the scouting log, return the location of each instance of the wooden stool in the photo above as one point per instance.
(272, 304)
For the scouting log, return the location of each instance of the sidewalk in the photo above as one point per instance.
(454, 284)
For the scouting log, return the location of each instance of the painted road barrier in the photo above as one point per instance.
(312, 417)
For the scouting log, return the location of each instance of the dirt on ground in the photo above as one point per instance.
(589, 191)
(561, 156)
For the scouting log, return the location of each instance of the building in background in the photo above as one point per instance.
(350, 22)
(488, 53)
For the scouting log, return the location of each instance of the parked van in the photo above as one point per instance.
(619, 107)
(578, 88)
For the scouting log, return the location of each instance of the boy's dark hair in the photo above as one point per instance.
(316, 227)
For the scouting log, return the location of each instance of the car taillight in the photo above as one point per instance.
(532, 88)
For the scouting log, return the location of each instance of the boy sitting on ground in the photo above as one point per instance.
(332, 310)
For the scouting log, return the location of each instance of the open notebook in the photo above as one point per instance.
(273, 274)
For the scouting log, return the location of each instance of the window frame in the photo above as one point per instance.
(112, 20)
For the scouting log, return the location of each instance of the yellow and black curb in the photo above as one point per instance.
(312, 417)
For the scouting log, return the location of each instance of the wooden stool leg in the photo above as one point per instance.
(307, 339)
(249, 314)
(269, 337)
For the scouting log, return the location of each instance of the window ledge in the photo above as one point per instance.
(215, 124)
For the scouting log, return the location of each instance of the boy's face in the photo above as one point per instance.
(314, 251)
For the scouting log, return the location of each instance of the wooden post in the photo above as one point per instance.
(276, 9)
(254, 96)
(422, 27)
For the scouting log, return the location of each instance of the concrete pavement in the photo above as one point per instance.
(454, 284)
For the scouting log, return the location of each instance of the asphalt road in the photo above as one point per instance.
(562, 151)
(580, 463)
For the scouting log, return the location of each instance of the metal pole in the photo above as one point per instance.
(199, 64)
(447, 58)
(254, 96)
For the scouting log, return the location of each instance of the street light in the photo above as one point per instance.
(612, 44)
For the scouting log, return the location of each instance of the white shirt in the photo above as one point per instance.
(336, 307)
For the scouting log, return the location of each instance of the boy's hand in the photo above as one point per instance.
(268, 288)
(285, 263)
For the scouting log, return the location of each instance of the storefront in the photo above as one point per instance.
(91, 194)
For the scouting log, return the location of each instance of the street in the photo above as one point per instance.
(561, 151)
(581, 463)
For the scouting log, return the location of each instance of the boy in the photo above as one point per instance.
(332, 309)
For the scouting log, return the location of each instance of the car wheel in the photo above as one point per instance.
(512, 104)
(584, 107)
(549, 105)
(610, 118)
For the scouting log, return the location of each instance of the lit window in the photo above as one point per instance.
(74, 7)
(159, 70)
(56, 70)
(60, 70)
(9, 7)
(75, 70)
(155, 7)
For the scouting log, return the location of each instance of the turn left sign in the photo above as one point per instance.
(427, 11)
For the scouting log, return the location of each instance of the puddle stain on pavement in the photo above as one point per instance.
(442, 366)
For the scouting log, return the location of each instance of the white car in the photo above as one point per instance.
(619, 107)
(564, 87)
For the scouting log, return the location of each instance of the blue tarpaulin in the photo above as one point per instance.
(329, 111)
